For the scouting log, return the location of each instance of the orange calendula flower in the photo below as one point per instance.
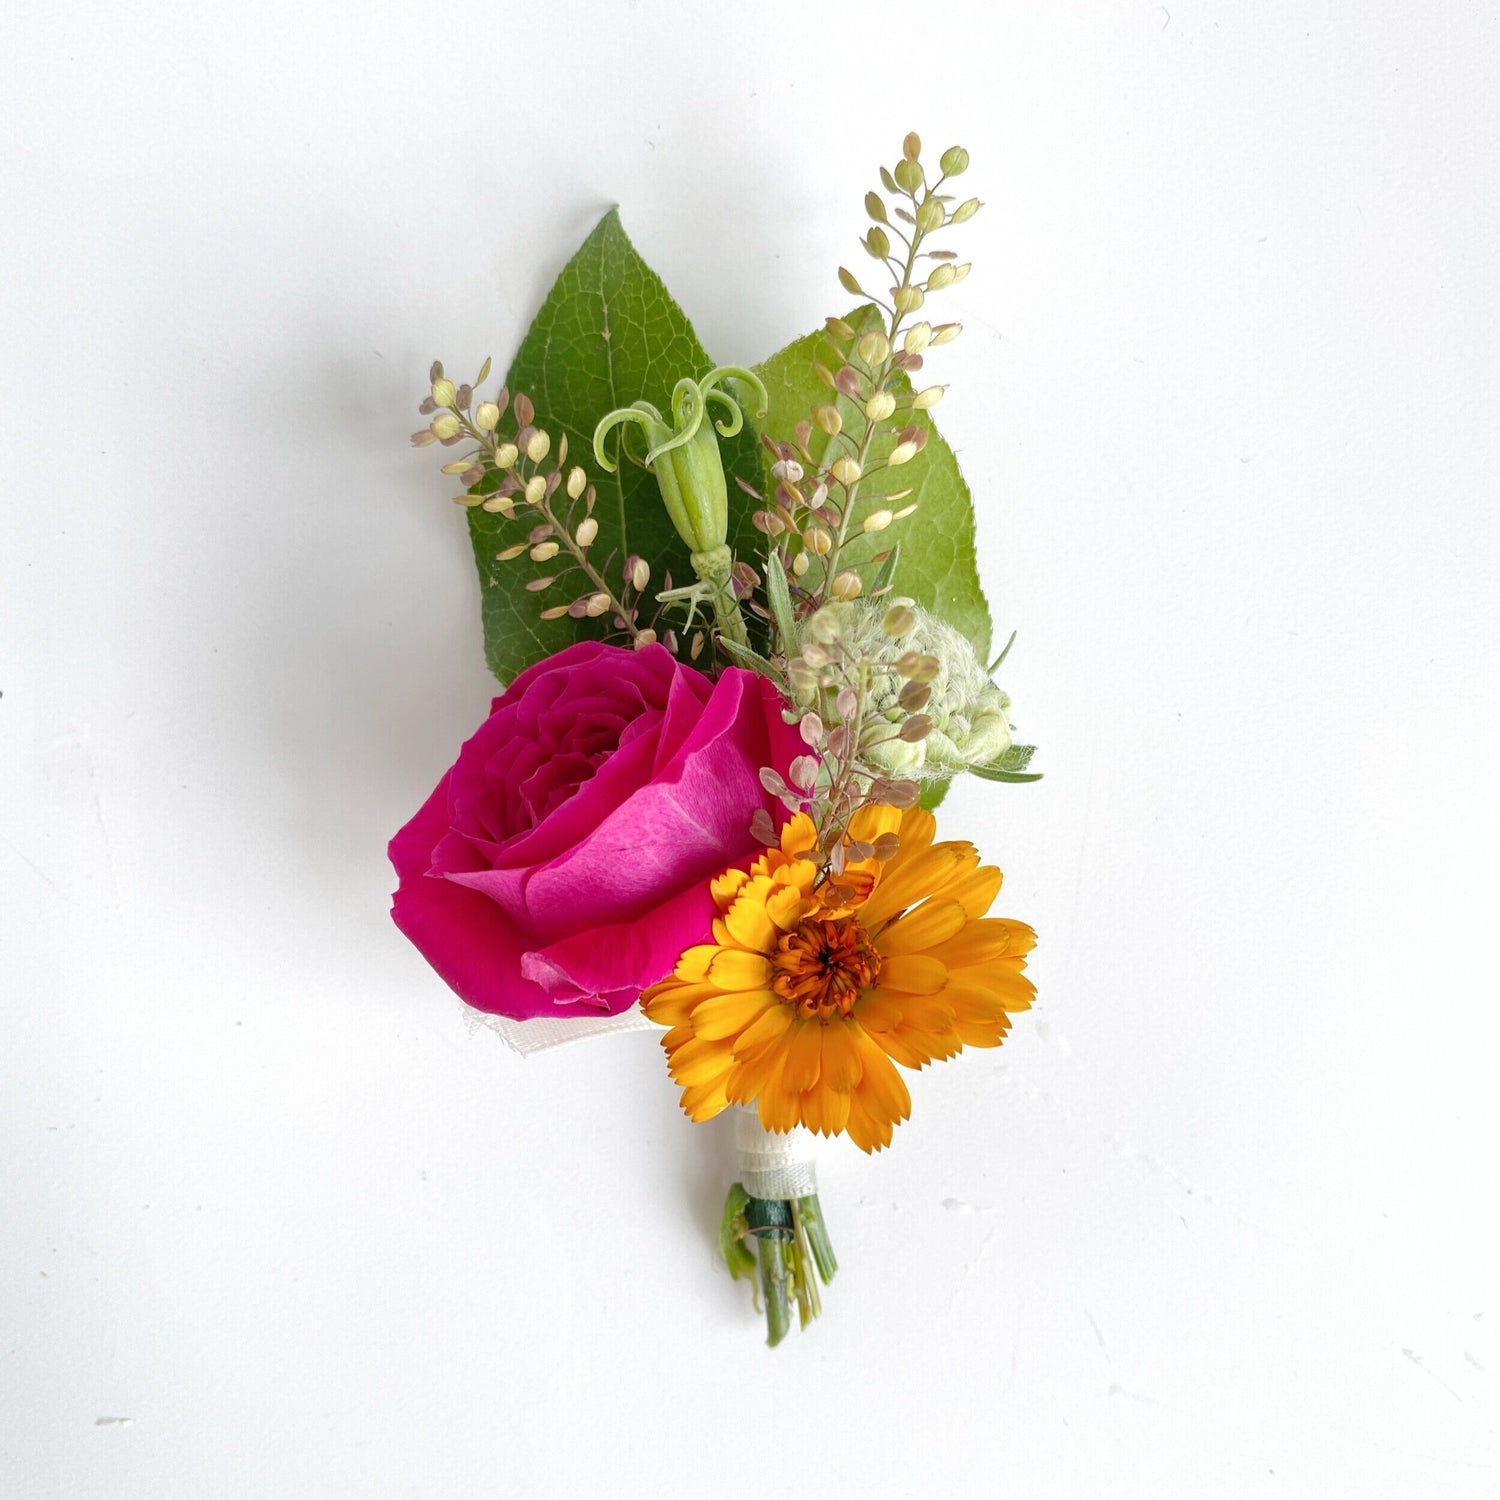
(811, 992)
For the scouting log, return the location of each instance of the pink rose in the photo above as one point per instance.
(563, 863)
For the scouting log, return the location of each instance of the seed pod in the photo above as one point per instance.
(511, 553)
(544, 551)
(538, 446)
(846, 470)
(588, 529)
(874, 348)
(506, 455)
(877, 520)
(907, 299)
(596, 606)
(848, 282)
(913, 696)
(930, 216)
(954, 161)
(918, 337)
(900, 619)
(926, 400)
(443, 392)
(941, 276)
(444, 426)
(880, 406)
(828, 420)
(966, 210)
(911, 147)
(846, 585)
(877, 243)
(536, 490)
(525, 411)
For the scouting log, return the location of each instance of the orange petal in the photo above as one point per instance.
(908, 881)
(933, 922)
(704, 1101)
(747, 922)
(841, 1066)
(778, 1110)
(976, 891)
(728, 1015)
(804, 1056)
(766, 1030)
(730, 969)
(670, 1003)
(824, 1110)
(881, 1088)
(692, 967)
(911, 973)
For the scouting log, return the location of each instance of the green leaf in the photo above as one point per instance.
(933, 793)
(608, 334)
(1010, 767)
(937, 566)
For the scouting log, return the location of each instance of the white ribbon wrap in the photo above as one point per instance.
(773, 1164)
(545, 1033)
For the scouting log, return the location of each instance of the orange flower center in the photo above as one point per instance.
(822, 966)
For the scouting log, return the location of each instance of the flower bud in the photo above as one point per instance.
(899, 620)
(911, 147)
(828, 420)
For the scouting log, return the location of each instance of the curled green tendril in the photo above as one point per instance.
(690, 399)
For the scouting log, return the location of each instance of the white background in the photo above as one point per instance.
(1217, 1221)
